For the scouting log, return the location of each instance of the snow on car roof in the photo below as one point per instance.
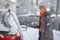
(3, 9)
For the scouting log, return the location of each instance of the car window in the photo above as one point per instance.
(4, 25)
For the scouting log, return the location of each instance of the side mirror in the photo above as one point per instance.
(23, 27)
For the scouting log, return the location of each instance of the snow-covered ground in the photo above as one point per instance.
(56, 35)
(30, 34)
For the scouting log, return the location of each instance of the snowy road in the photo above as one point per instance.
(30, 34)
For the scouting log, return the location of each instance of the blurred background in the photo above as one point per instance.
(27, 12)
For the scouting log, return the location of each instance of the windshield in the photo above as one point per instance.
(7, 24)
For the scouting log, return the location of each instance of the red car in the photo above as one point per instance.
(9, 27)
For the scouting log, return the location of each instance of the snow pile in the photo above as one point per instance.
(31, 34)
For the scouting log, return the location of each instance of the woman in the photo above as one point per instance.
(42, 13)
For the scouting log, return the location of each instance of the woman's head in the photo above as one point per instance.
(42, 8)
